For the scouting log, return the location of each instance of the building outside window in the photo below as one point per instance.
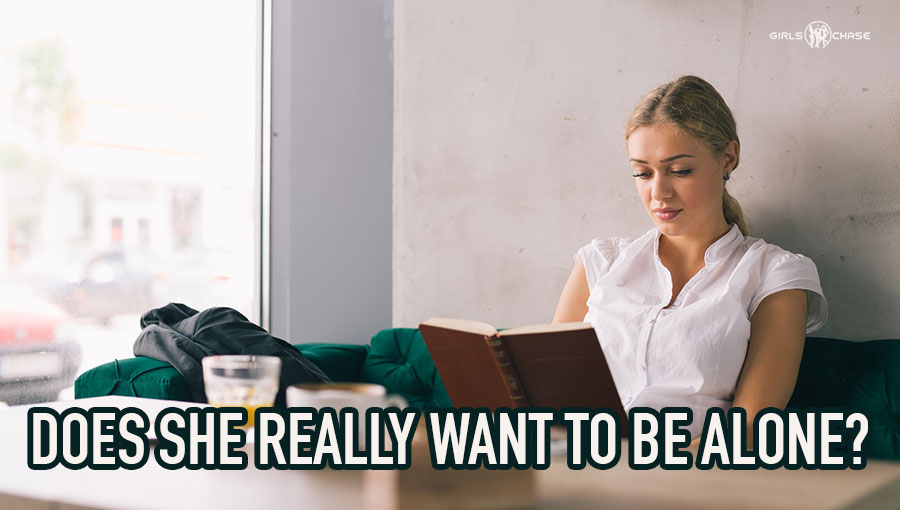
(128, 176)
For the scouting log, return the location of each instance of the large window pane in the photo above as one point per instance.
(127, 176)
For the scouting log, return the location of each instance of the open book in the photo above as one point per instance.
(547, 365)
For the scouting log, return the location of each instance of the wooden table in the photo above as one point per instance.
(152, 487)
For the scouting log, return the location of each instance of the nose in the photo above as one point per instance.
(660, 188)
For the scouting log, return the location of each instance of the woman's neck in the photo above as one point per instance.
(691, 248)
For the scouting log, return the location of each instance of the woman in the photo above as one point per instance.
(694, 313)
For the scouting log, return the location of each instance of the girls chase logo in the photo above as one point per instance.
(818, 34)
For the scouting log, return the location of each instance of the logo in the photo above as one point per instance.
(818, 35)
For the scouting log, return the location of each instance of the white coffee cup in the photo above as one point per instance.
(359, 396)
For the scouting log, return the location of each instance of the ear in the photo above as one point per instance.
(732, 156)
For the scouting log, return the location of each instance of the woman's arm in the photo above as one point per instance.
(777, 334)
(572, 306)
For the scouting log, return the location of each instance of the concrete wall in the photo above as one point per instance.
(332, 79)
(509, 151)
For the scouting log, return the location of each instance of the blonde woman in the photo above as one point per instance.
(694, 313)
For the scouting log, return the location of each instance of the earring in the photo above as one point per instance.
(726, 177)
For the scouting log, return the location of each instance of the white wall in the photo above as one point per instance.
(331, 169)
(509, 150)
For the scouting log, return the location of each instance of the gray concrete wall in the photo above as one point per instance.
(332, 79)
(509, 151)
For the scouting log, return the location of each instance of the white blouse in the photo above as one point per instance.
(691, 353)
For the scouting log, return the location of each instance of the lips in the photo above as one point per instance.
(666, 214)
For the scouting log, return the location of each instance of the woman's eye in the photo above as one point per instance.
(643, 175)
(682, 173)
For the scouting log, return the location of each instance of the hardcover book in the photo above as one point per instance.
(546, 365)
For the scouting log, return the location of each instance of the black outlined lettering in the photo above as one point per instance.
(319, 438)
(133, 428)
(201, 438)
(593, 436)
(724, 439)
(649, 428)
(106, 438)
(858, 423)
(469, 438)
(270, 440)
(102, 438)
(401, 429)
(815, 438)
(43, 430)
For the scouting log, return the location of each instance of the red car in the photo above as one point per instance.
(37, 360)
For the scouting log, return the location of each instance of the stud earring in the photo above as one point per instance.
(726, 177)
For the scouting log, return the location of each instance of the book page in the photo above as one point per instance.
(546, 328)
(462, 325)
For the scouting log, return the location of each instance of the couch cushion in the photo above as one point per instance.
(133, 377)
(399, 360)
(857, 377)
(149, 378)
(340, 362)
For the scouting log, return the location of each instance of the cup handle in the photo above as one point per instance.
(395, 401)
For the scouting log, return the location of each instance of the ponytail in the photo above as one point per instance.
(733, 212)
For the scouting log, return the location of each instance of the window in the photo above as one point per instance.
(128, 176)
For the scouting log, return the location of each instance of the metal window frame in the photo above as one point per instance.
(262, 271)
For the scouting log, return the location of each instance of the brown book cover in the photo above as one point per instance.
(550, 365)
(465, 352)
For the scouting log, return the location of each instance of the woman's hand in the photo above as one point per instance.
(694, 447)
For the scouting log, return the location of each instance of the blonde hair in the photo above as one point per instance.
(694, 106)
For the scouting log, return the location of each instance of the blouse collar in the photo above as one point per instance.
(717, 250)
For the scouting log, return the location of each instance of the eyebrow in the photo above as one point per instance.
(663, 160)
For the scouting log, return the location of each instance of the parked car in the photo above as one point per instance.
(38, 358)
(109, 283)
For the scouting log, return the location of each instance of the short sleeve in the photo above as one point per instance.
(793, 271)
(598, 256)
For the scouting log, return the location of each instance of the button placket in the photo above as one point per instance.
(645, 354)
(653, 314)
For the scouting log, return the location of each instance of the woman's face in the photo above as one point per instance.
(679, 180)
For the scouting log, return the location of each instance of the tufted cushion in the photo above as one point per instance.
(858, 377)
(149, 378)
(133, 377)
(399, 360)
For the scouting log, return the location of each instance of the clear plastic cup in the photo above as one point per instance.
(240, 380)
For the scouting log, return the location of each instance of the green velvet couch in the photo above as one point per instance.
(854, 376)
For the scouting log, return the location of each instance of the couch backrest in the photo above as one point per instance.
(399, 360)
(855, 377)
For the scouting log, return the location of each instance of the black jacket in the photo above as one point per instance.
(182, 337)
